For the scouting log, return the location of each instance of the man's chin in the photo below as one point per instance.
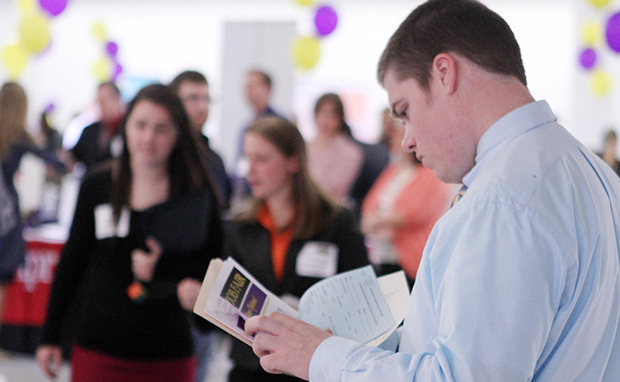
(445, 176)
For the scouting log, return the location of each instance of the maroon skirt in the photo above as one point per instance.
(92, 366)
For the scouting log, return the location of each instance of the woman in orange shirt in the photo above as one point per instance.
(401, 209)
(290, 235)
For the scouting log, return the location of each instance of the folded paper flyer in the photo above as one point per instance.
(354, 304)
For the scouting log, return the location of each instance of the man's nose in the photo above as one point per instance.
(408, 143)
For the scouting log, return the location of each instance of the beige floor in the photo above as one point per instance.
(23, 368)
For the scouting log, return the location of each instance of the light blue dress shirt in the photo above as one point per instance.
(519, 281)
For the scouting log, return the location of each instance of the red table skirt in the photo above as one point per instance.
(26, 299)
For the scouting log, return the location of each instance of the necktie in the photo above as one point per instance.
(459, 196)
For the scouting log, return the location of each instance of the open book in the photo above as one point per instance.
(354, 304)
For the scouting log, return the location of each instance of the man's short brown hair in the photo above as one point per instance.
(112, 86)
(187, 76)
(266, 78)
(464, 27)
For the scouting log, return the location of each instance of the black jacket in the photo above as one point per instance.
(250, 245)
(108, 320)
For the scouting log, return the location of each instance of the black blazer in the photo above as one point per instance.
(250, 245)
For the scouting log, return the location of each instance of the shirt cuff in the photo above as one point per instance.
(329, 358)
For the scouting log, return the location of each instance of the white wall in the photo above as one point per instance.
(158, 39)
(253, 46)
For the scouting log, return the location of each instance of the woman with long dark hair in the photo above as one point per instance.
(156, 202)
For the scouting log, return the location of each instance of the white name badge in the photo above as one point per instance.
(104, 222)
(317, 259)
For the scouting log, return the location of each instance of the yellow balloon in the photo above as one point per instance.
(305, 3)
(14, 59)
(102, 69)
(306, 51)
(26, 7)
(34, 32)
(600, 82)
(99, 30)
(599, 3)
(592, 34)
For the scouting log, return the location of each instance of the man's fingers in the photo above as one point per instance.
(284, 319)
(287, 322)
(264, 324)
(263, 346)
(268, 363)
(265, 331)
(283, 343)
(278, 323)
(260, 353)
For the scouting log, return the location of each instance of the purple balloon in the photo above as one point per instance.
(612, 32)
(325, 20)
(53, 7)
(118, 69)
(111, 48)
(587, 58)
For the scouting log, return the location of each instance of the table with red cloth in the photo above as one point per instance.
(27, 295)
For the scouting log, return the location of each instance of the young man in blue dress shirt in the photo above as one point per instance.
(519, 281)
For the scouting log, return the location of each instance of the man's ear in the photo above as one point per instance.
(444, 71)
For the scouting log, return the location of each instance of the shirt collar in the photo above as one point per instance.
(507, 128)
(265, 219)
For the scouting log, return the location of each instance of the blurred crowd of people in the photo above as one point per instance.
(141, 163)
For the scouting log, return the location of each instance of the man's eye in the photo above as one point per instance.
(402, 116)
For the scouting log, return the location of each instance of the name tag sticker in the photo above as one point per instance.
(317, 259)
(104, 222)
